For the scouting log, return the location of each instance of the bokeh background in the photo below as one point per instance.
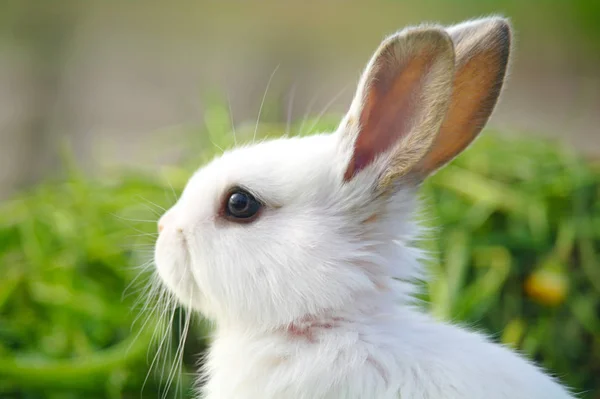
(107, 106)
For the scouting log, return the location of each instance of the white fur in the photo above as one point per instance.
(313, 299)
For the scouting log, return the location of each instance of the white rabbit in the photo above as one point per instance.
(302, 249)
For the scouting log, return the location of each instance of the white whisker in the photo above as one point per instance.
(289, 110)
(143, 234)
(170, 306)
(152, 203)
(142, 231)
(139, 245)
(231, 120)
(329, 104)
(218, 146)
(263, 102)
(158, 352)
(178, 361)
(173, 191)
(154, 211)
(166, 330)
(149, 316)
(309, 107)
(132, 282)
(133, 220)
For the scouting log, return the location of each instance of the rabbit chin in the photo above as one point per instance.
(173, 264)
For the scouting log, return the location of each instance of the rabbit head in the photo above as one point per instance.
(273, 232)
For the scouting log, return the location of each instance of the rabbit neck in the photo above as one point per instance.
(365, 311)
(240, 360)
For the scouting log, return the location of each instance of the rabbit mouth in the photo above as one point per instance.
(173, 265)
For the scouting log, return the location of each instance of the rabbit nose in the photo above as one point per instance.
(164, 219)
(167, 219)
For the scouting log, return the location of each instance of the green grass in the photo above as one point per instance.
(517, 232)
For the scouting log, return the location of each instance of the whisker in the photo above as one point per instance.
(146, 308)
(329, 104)
(169, 355)
(143, 269)
(156, 296)
(173, 191)
(216, 145)
(178, 361)
(154, 211)
(142, 234)
(263, 102)
(152, 297)
(289, 110)
(179, 386)
(149, 316)
(231, 119)
(145, 298)
(156, 356)
(169, 332)
(152, 203)
(175, 361)
(150, 312)
(309, 107)
(140, 231)
(133, 220)
(142, 245)
(165, 300)
(167, 195)
(145, 251)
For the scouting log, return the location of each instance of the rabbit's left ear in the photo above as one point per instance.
(401, 101)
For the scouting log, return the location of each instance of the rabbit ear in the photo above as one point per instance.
(401, 101)
(482, 50)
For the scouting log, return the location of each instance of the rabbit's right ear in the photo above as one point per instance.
(400, 104)
(482, 49)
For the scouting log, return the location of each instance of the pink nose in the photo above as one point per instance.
(163, 221)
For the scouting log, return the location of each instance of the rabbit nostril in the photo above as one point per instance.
(161, 227)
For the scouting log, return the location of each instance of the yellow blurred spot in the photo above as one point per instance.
(546, 287)
(513, 333)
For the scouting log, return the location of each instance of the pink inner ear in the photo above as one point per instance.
(389, 109)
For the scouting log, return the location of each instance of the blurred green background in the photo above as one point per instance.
(107, 107)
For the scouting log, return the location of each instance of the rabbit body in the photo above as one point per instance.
(389, 354)
(302, 249)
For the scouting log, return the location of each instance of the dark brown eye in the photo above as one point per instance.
(241, 206)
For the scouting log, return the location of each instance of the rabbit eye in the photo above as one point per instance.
(241, 206)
